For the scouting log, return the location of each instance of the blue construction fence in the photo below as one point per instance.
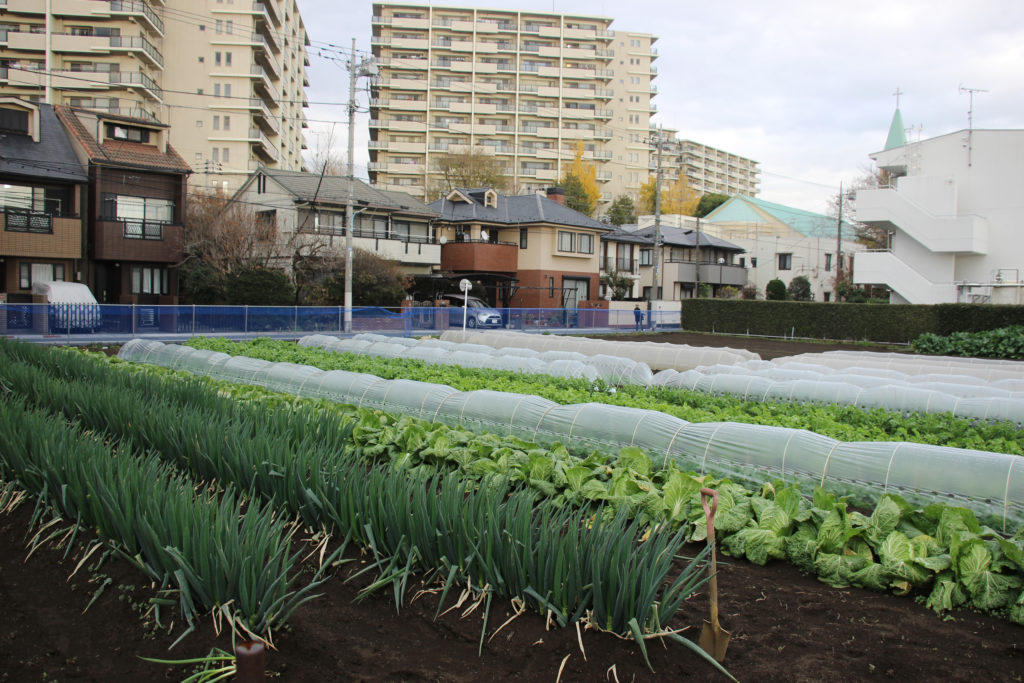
(54, 321)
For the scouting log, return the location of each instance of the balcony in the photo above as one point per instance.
(269, 10)
(261, 78)
(140, 11)
(267, 121)
(34, 234)
(138, 241)
(270, 37)
(138, 46)
(480, 256)
(140, 82)
(265, 55)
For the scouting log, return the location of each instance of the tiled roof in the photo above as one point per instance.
(687, 237)
(329, 189)
(52, 157)
(121, 152)
(513, 210)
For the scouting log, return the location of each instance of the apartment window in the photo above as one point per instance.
(218, 27)
(753, 262)
(119, 207)
(216, 123)
(566, 241)
(828, 262)
(216, 89)
(585, 244)
(227, 123)
(646, 257)
(785, 261)
(224, 154)
(551, 286)
(227, 90)
(216, 59)
(39, 272)
(149, 280)
(229, 26)
(199, 123)
(215, 154)
(227, 57)
(522, 238)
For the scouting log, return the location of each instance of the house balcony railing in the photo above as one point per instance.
(17, 220)
(139, 45)
(479, 256)
(140, 10)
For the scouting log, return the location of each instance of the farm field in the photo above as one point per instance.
(785, 627)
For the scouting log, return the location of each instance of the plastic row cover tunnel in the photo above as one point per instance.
(990, 483)
(866, 386)
(611, 369)
(658, 356)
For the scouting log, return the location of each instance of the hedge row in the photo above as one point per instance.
(878, 323)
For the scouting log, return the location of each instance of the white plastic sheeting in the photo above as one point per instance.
(858, 379)
(611, 369)
(658, 356)
(990, 483)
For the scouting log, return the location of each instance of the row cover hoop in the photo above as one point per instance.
(752, 454)
(968, 388)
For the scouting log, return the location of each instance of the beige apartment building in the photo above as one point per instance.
(708, 169)
(526, 87)
(228, 76)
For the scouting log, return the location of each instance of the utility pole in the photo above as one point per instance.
(355, 69)
(655, 289)
(696, 258)
(839, 242)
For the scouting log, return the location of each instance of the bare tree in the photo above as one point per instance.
(872, 237)
(324, 157)
(473, 168)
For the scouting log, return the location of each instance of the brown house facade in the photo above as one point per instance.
(528, 251)
(136, 208)
(42, 199)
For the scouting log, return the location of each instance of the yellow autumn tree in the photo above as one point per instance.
(677, 196)
(580, 183)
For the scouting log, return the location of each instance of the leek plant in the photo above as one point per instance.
(573, 563)
(209, 549)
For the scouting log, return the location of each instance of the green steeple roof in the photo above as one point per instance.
(897, 134)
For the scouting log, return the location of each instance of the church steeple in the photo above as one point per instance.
(897, 133)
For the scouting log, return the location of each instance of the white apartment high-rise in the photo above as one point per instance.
(228, 76)
(524, 86)
(708, 169)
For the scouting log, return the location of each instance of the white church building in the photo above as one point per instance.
(954, 212)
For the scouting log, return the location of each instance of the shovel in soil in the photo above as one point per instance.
(713, 638)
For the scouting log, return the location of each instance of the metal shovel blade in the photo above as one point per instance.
(714, 640)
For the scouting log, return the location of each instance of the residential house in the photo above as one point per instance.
(42, 200)
(136, 212)
(952, 211)
(782, 242)
(529, 251)
(308, 215)
(689, 259)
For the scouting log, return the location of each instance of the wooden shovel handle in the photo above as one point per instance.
(706, 493)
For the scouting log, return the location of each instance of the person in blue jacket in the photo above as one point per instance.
(638, 317)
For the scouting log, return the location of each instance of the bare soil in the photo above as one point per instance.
(785, 627)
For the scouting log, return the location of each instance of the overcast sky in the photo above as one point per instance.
(805, 87)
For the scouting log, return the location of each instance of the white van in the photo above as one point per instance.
(72, 305)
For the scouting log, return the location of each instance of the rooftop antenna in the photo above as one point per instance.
(970, 115)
